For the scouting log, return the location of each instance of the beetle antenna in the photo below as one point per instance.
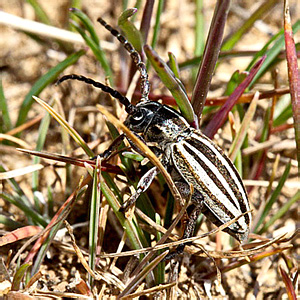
(130, 109)
(145, 85)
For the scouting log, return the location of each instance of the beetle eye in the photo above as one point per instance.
(138, 116)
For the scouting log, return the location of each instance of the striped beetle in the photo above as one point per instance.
(189, 156)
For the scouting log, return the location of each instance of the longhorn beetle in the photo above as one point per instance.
(189, 156)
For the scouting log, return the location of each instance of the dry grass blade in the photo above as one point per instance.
(138, 278)
(237, 264)
(74, 161)
(74, 134)
(15, 140)
(25, 125)
(59, 216)
(110, 280)
(34, 279)
(288, 284)
(162, 240)
(150, 291)
(20, 172)
(146, 151)
(18, 234)
(265, 183)
(190, 249)
(260, 146)
(46, 30)
(241, 134)
(83, 288)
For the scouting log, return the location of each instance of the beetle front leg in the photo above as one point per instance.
(112, 147)
(142, 186)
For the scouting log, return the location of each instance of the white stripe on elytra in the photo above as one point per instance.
(217, 173)
(226, 164)
(204, 177)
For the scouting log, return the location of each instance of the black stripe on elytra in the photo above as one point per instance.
(211, 174)
(220, 166)
(238, 176)
(190, 176)
(209, 153)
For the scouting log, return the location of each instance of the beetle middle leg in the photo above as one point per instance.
(112, 147)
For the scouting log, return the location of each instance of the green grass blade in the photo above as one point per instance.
(173, 64)
(261, 11)
(281, 212)
(94, 220)
(124, 4)
(160, 270)
(199, 29)
(17, 189)
(169, 80)
(157, 23)
(273, 197)
(133, 156)
(44, 126)
(125, 223)
(15, 286)
(272, 54)
(88, 24)
(73, 133)
(9, 223)
(236, 78)
(284, 113)
(28, 211)
(137, 5)
(44, 81)
(131, 32)
(97, 50)
(39, 11)
(5, 122)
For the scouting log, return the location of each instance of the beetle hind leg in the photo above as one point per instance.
(197, 200)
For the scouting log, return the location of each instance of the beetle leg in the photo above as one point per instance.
(142, 186)
(188, 232)
(112, 148)
(189, 228)
(197, 200)
(132, 144)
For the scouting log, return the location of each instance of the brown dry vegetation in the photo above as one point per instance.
(23, 60)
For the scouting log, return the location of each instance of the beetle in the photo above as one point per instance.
(190, 157)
